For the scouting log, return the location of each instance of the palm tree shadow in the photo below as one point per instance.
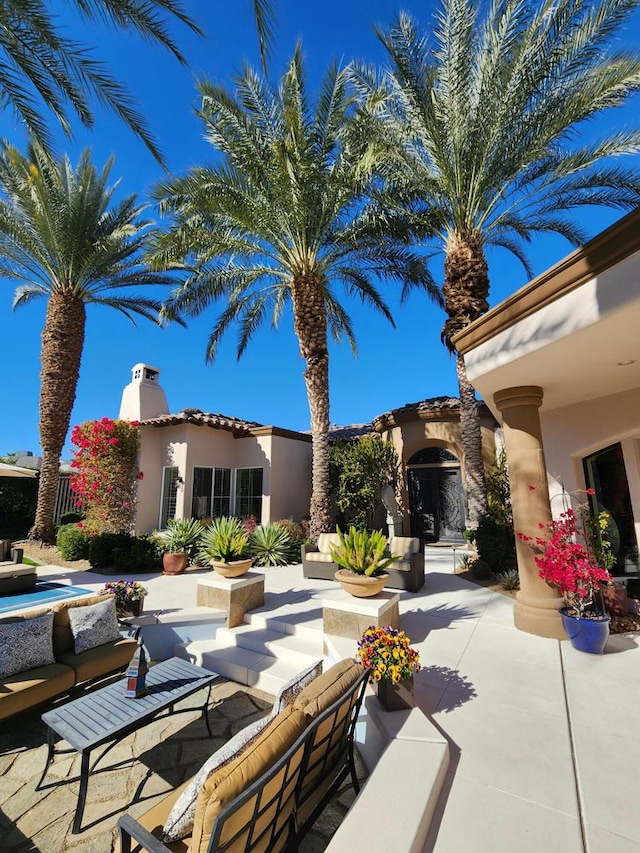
(421, 622)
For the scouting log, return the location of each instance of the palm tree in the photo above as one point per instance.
(486, 116)
(42, 65)
(65, 239)
(282, 220)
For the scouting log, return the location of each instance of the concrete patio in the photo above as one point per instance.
(542, 745)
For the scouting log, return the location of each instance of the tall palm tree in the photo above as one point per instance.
(41, 66)
(284, 218)
(487, 116)
(66, 239)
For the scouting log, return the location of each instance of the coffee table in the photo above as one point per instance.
(106, 716)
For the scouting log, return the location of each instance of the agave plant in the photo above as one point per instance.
(225, 540)
(270, 545)
(509, 580)
(362, 553)
(183, 534)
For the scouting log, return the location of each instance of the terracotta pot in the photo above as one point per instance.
(395, 697)
(174, 562)
(232, 569)
(361, 586)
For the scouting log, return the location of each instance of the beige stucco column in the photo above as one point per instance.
(536, 607)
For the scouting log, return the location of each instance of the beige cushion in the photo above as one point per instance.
(225, 784)
(154, 819)
(326, 688)
(62, 636)
(13, 570)
(318, 557)
(404, 547)
(327, 539)
(101, 660)
(26, 689)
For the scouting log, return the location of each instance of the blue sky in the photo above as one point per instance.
(394, 367)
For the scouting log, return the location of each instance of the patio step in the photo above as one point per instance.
(289, 622)
(254, 655)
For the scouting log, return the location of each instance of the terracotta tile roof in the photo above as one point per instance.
(349, 433)
(197, 417)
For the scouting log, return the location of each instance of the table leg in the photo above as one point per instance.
(205, 711)
(49, 757)
(82, 793)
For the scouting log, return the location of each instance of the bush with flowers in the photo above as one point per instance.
(387, 653)
(105, 474)
(125, 592)
(567, 560)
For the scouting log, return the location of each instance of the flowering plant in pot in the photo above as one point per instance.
(363, 558)
(392, 661)
(567, 561)
(129, 595)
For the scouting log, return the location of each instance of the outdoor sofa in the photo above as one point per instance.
(407, 573)
(51, 639)
(267, 793)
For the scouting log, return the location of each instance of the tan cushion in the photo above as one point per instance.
(225, 784)
(403, 546)
(62, 636)
(327, 539)
(318, 557)
(11, 570)
(25, 614)
(99, 660)
(401, 566)
(326, 688)
(26, 689)
(154, 819)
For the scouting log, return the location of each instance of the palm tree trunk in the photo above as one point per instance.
(61, 352)
(466, 291)
(310, 324)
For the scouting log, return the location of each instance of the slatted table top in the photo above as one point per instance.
(105, 714)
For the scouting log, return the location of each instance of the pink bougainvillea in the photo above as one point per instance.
(105, 473)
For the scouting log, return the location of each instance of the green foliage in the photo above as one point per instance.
(73, 542)
(597, 531)
(480, 569)
(494, 537)
(122, 551)
(70, 518)
(18, 499)
(509, 580)
(270, 545)
(225, 540)
(498, 490)
(183, 534)
(297, 538)
(358, 472)
(362, 553)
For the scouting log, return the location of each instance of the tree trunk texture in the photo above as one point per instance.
(466, 291)
(310, 324)
(61, 352)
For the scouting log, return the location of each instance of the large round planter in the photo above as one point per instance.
(174, 562)
(361, 586)
(586, 635)
(232, 569)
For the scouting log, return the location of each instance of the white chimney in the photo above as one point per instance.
(143, 397)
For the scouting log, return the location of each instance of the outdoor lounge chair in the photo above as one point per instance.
(14, 575)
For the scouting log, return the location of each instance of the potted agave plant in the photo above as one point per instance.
(224, 546)
(567, 560)
(179, 543)
(363, 558)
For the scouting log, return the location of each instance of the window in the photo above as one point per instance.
(211, 492)
(169, 492)
(249, 493)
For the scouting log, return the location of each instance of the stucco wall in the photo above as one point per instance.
(290, 478)
(573, 432)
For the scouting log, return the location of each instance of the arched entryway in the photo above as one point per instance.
(436, 503)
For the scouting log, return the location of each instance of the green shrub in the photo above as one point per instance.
(362, 553)
(124, 552)
(297, 538)
(480, 569)
(496, 544)
(226, 540)
(73, 542)
(70, 518)
(358, 471)
(270, 545)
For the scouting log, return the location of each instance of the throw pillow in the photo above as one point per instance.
(26, 644)
(289, 691)
(94, 625)
(179, 823)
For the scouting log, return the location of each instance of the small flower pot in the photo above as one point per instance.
(361, 586)
(132, 608)
(174, 562)
(395, 697)
(586, 634)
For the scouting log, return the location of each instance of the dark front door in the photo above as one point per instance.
(435, 503)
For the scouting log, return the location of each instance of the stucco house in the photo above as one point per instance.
(201, 464)
(558, 364)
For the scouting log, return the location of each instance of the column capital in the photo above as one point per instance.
(520, 395)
